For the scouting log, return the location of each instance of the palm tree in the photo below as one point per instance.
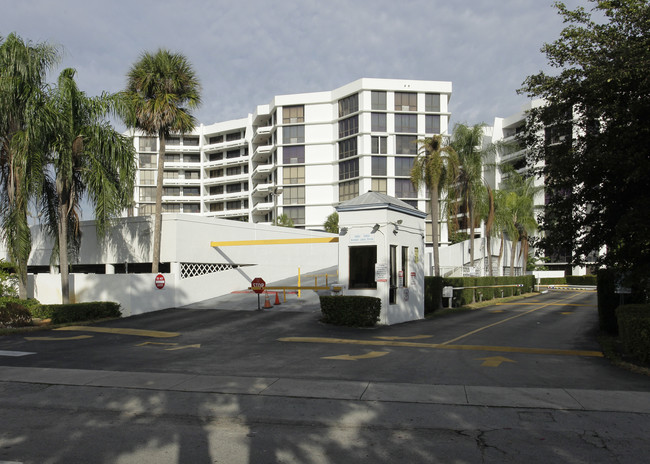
(161, 90)
(88, 158)
(434, 167)
(22, 154)
(468, 187)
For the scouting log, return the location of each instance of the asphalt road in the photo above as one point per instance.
(523, 382)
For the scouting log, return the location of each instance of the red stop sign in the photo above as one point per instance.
(258, 285)
(160, 281)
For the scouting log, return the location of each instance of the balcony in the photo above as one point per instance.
(225, 179)
(262, 153)
(262, 208)
(177, 182)
(263, 170)
(262, 189)
(262, 134)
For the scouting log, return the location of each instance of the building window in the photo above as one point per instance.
(349, 126)
(406, 101)
(170, 174)
(432, 124)
(413, 203)
(432, 102)
(173, 141)
(378, 122)
(233, 136)
(380, 186)
(171, 191)
(349, 169)
(403, 166)
(216, 190)
(147, 193)
(406, 123)
(293, 196)
(378, 100)
(148, 177)
(191, 158)
(406, 144)
(191, 141)
(294, 175)
(296, 213)
(191, 208)
(148, 161)
(232, 205)
(146, 210)
(216, 173)
(404, 189)
(148, 143)
(379, 145)
(362, 266)
(171, 208)
(379, 166)
(230, 154)
(233, 171)
(216, 156)
(192, 175)
(293, 155)
(293, 114)
(191, 191)
(348, 190)
(215, 207)
(348, 105)
(293, 134)
(233, 188)
(172, 158)
(348, 148)
(216, 139)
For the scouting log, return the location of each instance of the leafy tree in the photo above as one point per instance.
(88, 158)
(593, 134)
(22, 153)
(435, 167)
(161, 90)
(284, 221)
(331, 224)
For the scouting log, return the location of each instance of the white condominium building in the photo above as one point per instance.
(300, 155)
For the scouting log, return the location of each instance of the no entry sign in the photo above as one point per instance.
(258, 285)
(160, 281)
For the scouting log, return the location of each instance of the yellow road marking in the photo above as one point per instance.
(549, 304)
(198, 345)
(415, 337)
(566, 313)
(281, 241)
(120, 331)
(494, 361)
(442, 346)
(78, 337)
(347, 357)
(499, 322)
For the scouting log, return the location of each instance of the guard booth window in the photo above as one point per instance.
(405, 265)
(362, 266)
(392, 292)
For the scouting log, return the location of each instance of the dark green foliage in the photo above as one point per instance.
(432, 293)
(552, 281)
(14, 314)
(609, 300)
(350, 310)
(582, 280)
(634, 330)
(62, 313)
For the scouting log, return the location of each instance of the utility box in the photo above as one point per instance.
(381, 254)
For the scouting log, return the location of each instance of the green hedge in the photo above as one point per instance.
(469, 295)
(62, 313)
(634, 330)
(14, 314)
(350, 310)
(569, 280)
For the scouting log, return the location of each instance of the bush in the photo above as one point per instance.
(350, 310)
(432, 293)
(14, 314)
(62, 313)
(552, 281)
(634, 330)
(582, 280)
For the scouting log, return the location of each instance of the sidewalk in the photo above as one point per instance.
(458, 395)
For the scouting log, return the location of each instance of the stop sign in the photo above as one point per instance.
(258, 285)
(160, 281)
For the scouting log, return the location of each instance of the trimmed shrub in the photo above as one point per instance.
(350, 310)
(14, 314)
(432, 293)
(634, 330)
(62, 313)
(552, 281)
(582, 280)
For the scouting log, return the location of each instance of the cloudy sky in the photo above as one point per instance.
(247, 51)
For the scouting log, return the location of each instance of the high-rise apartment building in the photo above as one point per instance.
(299, 155)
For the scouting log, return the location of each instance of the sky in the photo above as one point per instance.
(247, 51)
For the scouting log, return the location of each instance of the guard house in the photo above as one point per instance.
(381, 254)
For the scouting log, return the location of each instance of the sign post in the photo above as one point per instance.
(258, 285)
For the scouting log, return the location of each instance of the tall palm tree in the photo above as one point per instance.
(434, 167)
(468, 187)
(161, 90)
(22, 154)
(88, 158)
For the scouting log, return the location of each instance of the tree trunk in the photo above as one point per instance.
(488, 240)
(435, 213)
(63, 252)
(512, 257)
(500, 254)
(157, 230)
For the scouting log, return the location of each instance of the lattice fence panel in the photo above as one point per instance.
(198, 269)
